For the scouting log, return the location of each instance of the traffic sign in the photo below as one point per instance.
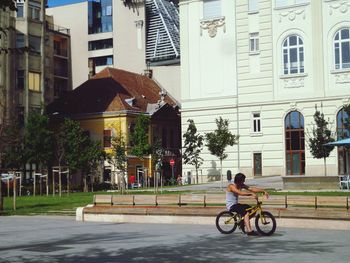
(172, 162)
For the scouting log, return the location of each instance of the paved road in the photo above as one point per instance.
(270, 182)
(52, 239)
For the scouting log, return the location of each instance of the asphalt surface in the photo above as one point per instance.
(268, 182)
(61, 239)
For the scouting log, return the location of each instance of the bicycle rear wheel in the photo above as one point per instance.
(265, 223)
(226, 222)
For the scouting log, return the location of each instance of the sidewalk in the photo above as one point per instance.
(292, 217)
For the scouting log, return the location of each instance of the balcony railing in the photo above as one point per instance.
(57, 28)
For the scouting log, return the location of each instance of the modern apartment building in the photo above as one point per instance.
(264, 65)
(131, 35)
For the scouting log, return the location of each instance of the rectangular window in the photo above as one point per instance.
(34, 81)
(253, 6)
(20, 79)
(101, 44)
(34, 44)
(19, 40)
(20, 10)
(34, 10)
(256, 122)
(253, 42)
(107, 138)
(211, 9)
(103, 61)
(282, 3)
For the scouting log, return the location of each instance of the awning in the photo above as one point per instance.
(343, 142)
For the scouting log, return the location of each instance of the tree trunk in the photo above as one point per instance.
(222, 178)
(85, 184)
(325, 166)
(1, 199)
(14, 192)
(197, 175)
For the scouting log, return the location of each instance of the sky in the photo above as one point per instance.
(52, 3)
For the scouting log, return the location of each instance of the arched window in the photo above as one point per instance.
(295, 143)
(342, 49)
(293, 55)
(342, 133)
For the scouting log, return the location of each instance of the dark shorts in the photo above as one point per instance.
(240, 209)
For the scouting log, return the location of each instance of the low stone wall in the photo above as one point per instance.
(304, 182)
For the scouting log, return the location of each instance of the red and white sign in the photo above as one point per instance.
(172, 162)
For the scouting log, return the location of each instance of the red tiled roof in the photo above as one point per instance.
(108, 91)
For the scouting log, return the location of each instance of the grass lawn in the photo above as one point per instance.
(34, 205)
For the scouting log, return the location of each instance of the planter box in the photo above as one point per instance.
(304, 182)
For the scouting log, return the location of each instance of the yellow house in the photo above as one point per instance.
(107, 105)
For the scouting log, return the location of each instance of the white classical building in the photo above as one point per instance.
(264, 65)
(134, 35)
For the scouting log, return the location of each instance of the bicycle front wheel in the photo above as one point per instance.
(226, 222)
(265, 223)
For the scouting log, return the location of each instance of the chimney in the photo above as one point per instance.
(148, 72)
(92, 71)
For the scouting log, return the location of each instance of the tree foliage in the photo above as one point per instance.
(321, 135)
(140, 137)
(218, 141)
(80, 152)
(10, 4)
(193, 146)
(11, 147)
(38, 139)
(118, 158)
(157, 153)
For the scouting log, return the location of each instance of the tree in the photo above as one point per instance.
(140, 137)
(320, 136)
(193, 146)
(118, 159)
(11, 4)
(81, 153)
(38, 140)
(157, 160)
(218, 140)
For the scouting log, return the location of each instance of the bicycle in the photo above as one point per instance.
(265, 223)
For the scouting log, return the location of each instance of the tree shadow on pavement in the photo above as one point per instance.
(201, 248)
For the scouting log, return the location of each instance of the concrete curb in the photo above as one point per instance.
(210, 220)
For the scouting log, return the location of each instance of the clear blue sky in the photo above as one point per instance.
(52, 3)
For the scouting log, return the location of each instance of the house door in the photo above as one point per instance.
(257, 164)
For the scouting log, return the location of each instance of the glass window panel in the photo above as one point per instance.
(296, 163)
(295, 140)
(346, 52)
(20, 10)
(288, 143)
(280, 3)
(287, 122)
(253, 5)
(301, 121)
(337, 58)
(300, 41)
(285, 43)
(19, 40)
(34, 44)
(337, 36)
(293, 55)
(292, 40)
(294, 116)
(344, 33)
(211, 9)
